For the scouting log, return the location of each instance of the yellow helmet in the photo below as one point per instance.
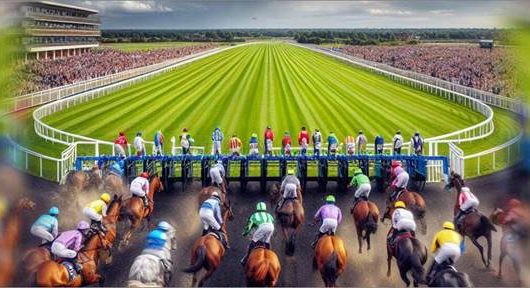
(399, 204)
(448, 225)
(105, 197)
(290, 171)
(3, 207)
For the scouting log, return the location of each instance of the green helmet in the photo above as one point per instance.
(254, 135)
(330, 198)
(357, 171)
(261, 206)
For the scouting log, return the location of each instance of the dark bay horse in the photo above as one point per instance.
(290, 217)
(410, 255)
(330, 258)
(474, 224)
(263, 268)
(415, 203)
(208, 252)
(134, 210)
(448, 276)
(365, 215)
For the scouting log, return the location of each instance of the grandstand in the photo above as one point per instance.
(54, 30)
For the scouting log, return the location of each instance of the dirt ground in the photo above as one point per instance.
(179, 207)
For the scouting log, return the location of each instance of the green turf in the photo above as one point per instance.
(129, 47)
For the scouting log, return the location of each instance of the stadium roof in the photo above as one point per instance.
(65, 6)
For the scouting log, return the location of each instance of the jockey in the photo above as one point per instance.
(397, 143)
(400, 182)
(447, 244)
(217, 172)
(350, 145)
(254, 146)
(264, 224)
(217, 138)
(402, 221)
(362, 182)
(333, 143)
(331, 217)
(155, 242)
(361, 142)
(139, 144)
(235, 145)
(286, 144)
(379, 144)
(303, 140)
(68, 244)
(211, 217)
(186, 141)
(417, 143)
(159, 142)
(96, 210)
(140, 188)
(268, 138)
(116, 168)
(46, 227)
(119, 145)
(289, 187)
(317, 142)
(467, 203)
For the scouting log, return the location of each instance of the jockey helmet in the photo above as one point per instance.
(254, 135)
(83, 225)
(105, 197)
(290, 172)
(416, 133)
(360, 131)
(357, 171)
(144, 175)
(398, 132)
(399, 204)
(185, 130)
(448, 225)
(465, 189)
(396, 163)
(261, 206)
(54, 211)
(513, 203)
(330, 199)
(163, 225)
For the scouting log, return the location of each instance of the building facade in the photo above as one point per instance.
(54, 30)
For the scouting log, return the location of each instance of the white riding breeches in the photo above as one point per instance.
(290, 191)
(60, 250)
(329, 225)
(92, 215)
(41, 233)
(402, 180)
(215, 175)
(363, 190)
(216, 147)
(208, 219)
(263, 233)
(447, 251)
(406, 224)
(469, 203)
(137, 191)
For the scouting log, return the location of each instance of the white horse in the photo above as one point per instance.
(149, 270)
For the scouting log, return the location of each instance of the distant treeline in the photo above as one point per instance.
(316, 36)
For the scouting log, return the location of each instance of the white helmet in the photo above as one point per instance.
(465, 189)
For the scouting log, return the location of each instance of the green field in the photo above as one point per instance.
(129, 47)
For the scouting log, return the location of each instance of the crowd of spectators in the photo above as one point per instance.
(484, 69)
(43, 74)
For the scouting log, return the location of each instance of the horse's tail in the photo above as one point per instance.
(486, 222)
(371, 224)
(262, 274)
(331, 268)
(417, 267)
(418, 211)
(285, 218)
(199, 263)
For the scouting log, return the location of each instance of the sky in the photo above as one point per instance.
(167, 14)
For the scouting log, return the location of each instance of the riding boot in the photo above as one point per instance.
(222, 237)
(249, 249)
(146, 201)
(101, 227)
(314, 243)
(355, 202)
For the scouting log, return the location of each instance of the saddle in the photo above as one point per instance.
(261, 244)
(70, 267)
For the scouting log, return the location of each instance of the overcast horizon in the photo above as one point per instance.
(190, 15)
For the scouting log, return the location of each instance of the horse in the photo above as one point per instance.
(275, 194)
(206, 193)
(330, 258)
(415, 203)
(263, 268)
(148, 270)
(291, 217)
(135, 211)
(208, 252)
(410, 255)
(365, 215)
(474, 224)
(51, 273)
(10, 238)
(448, 276)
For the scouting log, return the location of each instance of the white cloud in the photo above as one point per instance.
(442, 12)
(388, 12)
(129, 6)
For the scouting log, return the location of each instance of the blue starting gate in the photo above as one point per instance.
(245, 169)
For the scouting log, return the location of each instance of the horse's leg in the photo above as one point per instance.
(368, 240)
(389, 262)
(360, 238)
(206, 276)
(480, 249)
(194, 280)
(403, 274)
(488, 239)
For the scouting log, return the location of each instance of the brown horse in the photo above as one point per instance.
(365, 215)
(206, 193)
(208, 252)
(9, 240)
(291, 217)
(53, 274)
(415, 203)
(330, 258)
(135, 211)
(263, 268)
(474, 224)
(410, 255)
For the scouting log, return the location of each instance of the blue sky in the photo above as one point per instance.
(166, 14)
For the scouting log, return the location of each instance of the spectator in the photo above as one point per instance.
(139, 144)
(120, 144)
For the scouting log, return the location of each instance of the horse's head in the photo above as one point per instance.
(274, 193)
(228, 214)
(113, 211)
(496, 216)
(456, 181)
(155, 183)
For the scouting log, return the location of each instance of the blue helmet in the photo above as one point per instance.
(156, 239)
(54, 211)
(163, 226)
